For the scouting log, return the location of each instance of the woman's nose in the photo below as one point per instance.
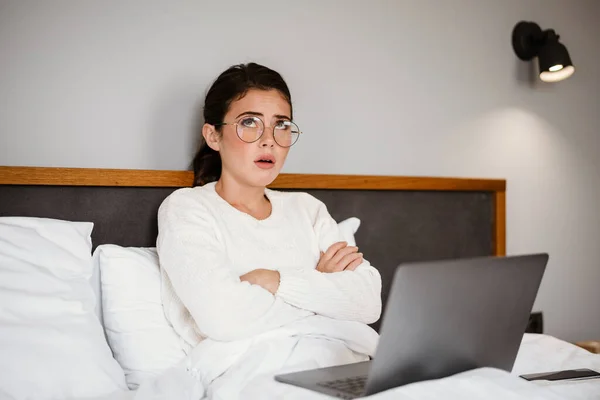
(268, 137)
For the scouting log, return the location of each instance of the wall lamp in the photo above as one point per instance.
(529, 41)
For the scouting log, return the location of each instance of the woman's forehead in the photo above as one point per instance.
(266, 102)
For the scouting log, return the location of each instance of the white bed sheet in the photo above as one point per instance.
(120, 395)
(538, 353)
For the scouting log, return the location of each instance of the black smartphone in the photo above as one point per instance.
(582, 373)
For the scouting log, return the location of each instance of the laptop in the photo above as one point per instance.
(441, 318)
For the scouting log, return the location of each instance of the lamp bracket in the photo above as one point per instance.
(526, 40)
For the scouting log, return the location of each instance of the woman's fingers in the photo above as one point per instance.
(343, 253)
(348, 259)
(339, 257)
(354, 264)
(332, 250)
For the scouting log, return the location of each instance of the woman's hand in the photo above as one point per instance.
(267, 279)
(339, 257)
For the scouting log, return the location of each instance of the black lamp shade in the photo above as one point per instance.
(529, 41)
(555, 63)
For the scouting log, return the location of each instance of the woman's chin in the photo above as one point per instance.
(263, 177)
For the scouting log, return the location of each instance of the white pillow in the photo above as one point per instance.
(51, 342)
(142, 339)
(348, 228)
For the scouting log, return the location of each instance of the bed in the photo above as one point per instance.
(401, 219)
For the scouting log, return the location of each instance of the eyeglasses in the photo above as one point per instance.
(250, 128)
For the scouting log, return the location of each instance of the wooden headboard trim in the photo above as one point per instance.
(500, 223)
(151, 178)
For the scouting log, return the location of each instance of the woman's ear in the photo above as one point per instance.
(211, 136)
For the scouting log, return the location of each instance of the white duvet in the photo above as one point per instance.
(245, 369)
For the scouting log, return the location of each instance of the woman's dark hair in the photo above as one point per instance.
(231, 85)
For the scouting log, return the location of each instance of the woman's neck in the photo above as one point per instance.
(248, 199)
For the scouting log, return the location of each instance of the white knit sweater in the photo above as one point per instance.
(205, 245)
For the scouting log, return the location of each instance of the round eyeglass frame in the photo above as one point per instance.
(239, 127)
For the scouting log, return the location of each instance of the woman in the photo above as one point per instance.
(239, 260)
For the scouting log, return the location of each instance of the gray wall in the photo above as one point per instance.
(379, 87)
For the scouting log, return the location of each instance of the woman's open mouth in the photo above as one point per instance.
(265, 161)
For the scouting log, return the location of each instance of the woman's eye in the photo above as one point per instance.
(282, 124)
(248, 123)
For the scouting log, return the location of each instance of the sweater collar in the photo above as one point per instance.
(228, 208)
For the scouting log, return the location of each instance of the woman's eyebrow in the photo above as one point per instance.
(255, 113)
(258, 114)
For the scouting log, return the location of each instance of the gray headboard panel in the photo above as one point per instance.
(402, 219)
(122, 215)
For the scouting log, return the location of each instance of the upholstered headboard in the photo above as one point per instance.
(402, 218)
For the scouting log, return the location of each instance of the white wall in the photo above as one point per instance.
(379, 87)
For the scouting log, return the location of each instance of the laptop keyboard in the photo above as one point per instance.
(354, 385)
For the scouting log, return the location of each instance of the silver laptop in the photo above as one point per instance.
(441, 318)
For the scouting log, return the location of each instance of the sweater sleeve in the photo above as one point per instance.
(195, 260)
(348, 295)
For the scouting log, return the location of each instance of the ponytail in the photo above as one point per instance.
(207, 165)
